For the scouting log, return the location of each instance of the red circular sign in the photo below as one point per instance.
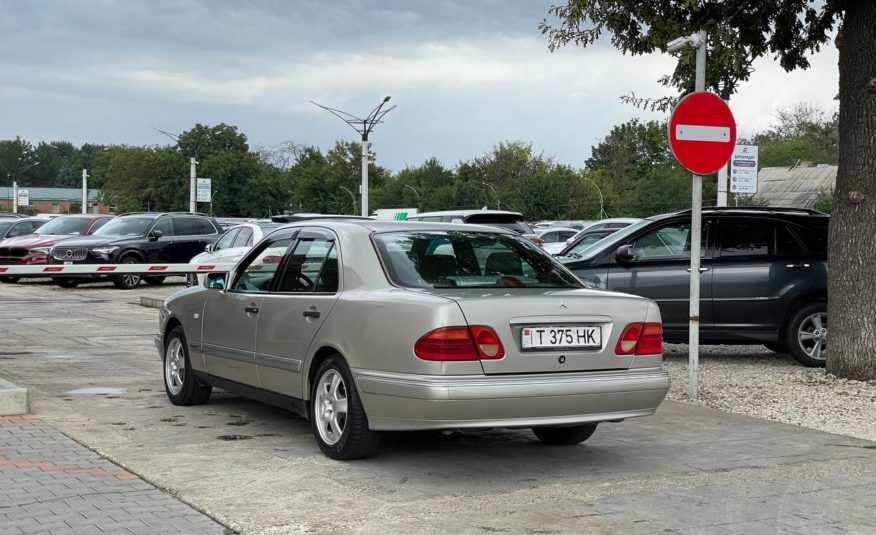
(702, 133)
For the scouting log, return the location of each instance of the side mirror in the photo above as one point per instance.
(215, 281)
(625, 253)
(209, 248)
(155, 234)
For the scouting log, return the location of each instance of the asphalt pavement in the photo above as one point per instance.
(93, 375)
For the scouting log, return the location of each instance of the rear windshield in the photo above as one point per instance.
(65, 226)
(508, 221)
(469, 260)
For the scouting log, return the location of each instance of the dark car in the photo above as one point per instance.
(763, 276)
(162, 238)
(34, 248)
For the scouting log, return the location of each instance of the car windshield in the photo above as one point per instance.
(469, 260)
(5, 226)
(69, 226)
(125, 226)
(613, 239)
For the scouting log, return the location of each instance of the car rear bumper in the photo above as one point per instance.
(397, 402)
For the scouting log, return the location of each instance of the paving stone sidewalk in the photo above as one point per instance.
(50, 484)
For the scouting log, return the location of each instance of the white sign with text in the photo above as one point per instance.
(204, 190)
(743, 169)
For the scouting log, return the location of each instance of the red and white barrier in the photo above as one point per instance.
(54, 270)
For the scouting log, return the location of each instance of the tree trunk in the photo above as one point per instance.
(852, 272)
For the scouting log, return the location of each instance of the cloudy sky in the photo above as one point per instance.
(465, 74)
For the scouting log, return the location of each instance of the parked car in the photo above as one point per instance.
(763, 276)
(35, 248)
(368, 326)
(230, 247)
(10, 227)
(11, 215)
(589, 235)
(494, 218)
(554, 235)
(167, 238)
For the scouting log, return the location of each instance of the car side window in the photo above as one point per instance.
(587, 241)
(747, 238)
(244, 239)
(204, 226)
(20, 229)
(97, 224)
(184, 226)
(259, 271)
(669, 242)
(226, 240)
(786, 244)
(164, 226)
(305, 264)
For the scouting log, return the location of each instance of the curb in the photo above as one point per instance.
(151, 302)
(13, 399)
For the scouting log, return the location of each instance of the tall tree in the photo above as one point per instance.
(741, 31)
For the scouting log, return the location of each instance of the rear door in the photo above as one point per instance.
(231, 316)
(759, 266)
(188, 240)
(295, 310)
(660, 271)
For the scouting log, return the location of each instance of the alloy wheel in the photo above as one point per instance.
(330, 409)
(812, 335)
(174, 366)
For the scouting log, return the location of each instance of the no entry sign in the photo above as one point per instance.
(702, 133)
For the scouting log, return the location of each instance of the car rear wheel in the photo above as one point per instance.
(806, 335)
(336, 413)
(153, 281)
(10, 280)
(127, 281)
(66, 282)
(564, 436)
(180, 384)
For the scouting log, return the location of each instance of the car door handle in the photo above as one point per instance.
(799, 265)
(251, 309)
(311, 313)
(702, 269)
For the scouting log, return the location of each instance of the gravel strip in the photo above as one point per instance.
(754, 381)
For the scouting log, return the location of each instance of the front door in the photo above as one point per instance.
(231, 315)
(660, 270)
(297, 307)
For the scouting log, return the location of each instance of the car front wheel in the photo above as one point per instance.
(10, 280)
(336, 413)
(153, 281)
(564, 436)
(66, 282)
(806, 335)
(127, 281)
(180, 384)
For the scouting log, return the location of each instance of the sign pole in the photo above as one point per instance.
(696, 222)
(15, 197)
(193, 177)
(84, 191)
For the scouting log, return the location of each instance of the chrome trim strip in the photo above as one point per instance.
(281, 363)
(228, 353)
(510, 380)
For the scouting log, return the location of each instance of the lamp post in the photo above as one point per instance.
(495, 194)
(602, 214)
(352, 197)
(363, 127)
(415, 193)
(11, 176)
(697, 40)
(193, 168)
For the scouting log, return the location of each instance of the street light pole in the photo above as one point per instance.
(352, 197)
(415, 193)
(602, 213)
(12, 178)
(363, 127)
(495, 194)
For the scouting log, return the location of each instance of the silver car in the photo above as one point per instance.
(368, 326)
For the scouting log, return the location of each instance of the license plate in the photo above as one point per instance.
(561, 337)
(68, 263)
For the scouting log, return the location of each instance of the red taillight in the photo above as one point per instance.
(459, 343)
(487, 342)
(640, 339)
(537, 241)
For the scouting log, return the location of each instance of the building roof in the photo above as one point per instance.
(51, 194)
(797, 187)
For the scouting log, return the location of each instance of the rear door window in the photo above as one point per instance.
(747, 238)
(205, 227)
(304, 265)
(185, 226)
(165, 226)
(244, 239)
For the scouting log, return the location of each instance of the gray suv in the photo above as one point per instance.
(763, 276)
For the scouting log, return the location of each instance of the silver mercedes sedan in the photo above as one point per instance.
(367, 326)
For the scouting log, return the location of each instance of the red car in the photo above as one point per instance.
(34, 248)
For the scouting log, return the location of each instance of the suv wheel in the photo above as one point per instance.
(153, 281)
(66, 282)
(806, 335)
(10, 280)
(336, 413)
(127, 281)
(564, 436)
(180, 384)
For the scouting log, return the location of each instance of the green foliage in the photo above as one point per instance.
(802, 132)
(824, 202)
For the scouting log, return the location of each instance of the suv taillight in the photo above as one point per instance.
(640, 339)
(537, 241)
(460, 343)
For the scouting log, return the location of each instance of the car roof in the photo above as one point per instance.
(788, 213)
(463, 213)
(366, 226)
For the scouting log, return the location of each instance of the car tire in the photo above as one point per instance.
(66, 282)
(564, 436)
(154, 281)
(180, 384)
(340, 438)
(806, 335)
(777, 347)
(9, 280)
(127, 281)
